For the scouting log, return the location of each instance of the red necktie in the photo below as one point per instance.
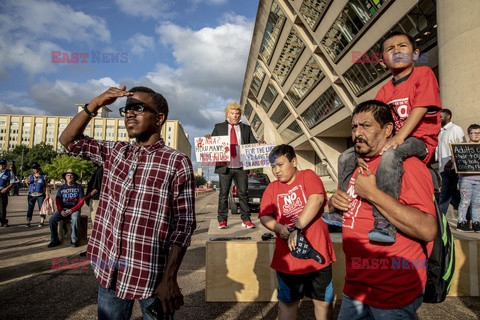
(233, 142)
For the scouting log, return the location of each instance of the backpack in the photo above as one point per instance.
(441, 262)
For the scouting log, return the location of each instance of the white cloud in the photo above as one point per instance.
(24, 26)
(141, 43)
(211, 58)
(214, 2)
(145, 8)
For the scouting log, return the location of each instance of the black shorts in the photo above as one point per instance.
(316, 285)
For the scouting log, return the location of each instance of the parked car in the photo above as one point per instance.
(256, 184)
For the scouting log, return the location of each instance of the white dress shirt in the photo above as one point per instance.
(450, 133)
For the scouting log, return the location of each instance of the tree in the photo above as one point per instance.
(23, 156)
(199, 181)
(84, 168)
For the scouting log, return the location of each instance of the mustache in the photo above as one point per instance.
(361, 140)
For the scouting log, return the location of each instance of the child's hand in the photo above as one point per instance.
(362, 163)
(393, 142)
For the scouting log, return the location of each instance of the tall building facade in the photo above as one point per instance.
(30, 130)
(312, 61)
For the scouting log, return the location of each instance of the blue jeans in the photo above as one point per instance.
(57, 216)
(355, 310)
(449, 192)
(31, 205)
(111, 307)
(390, 169)
(469, 195)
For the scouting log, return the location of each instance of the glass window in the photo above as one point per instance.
(268, 97)
(312, 11)
(306, 80)
(248, 110)
(257, 79)
(256, 122)
(274, 25)
(289, 55)
(280, 114)
(328, 102)
(353, 17)
(291, 132)
(366, 71)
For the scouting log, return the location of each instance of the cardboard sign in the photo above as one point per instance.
(255, 155)
(466, 157)
(212, 150)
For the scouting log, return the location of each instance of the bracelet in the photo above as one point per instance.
(88, 112)
(290, 229)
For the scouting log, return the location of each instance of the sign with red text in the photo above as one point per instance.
(209, 151)
(255, 155)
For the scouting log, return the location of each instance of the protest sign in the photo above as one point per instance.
(466, 157)
(255, 155)
(209, 151)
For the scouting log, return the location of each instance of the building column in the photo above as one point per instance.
(459, 68)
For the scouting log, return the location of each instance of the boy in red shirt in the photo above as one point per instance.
(291, 205)
(414, 99)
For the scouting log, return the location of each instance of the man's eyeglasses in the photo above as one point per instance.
(474, 133)
(136, 109)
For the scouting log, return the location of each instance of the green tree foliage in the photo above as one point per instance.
(23, 156)
(84, 168)
(200, 180)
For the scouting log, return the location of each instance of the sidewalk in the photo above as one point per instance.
(31, 289)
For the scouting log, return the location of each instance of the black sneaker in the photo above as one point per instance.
(54, 244)
(73, 244)
(463, 226)
(476, 226)
(383, 232)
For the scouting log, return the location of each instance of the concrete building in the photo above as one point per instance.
(302, 82)
(30, 130)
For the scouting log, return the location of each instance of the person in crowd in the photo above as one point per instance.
(238, 133)
(38, 191)
(69, 201)
(470, 190)
(5, 185)
(293, 205)
(450, 133)
(381, 282)
(146, 205)
(93, 192)
(414, 98)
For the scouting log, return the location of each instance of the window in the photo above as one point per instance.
(274, 25)
(420, 23)
(280, 114)
(289, 55)
(306, 80)
(291, 132)
(256, 122)
(312, 11)
(248, 110)
(348, 24)
(268, 97)
(257, 79)
(328, 102)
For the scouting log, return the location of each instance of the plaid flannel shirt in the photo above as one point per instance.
(147, 204)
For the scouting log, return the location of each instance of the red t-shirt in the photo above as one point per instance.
(419, 90)
(286, 202)
(386, 276)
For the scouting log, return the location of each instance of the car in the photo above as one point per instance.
(256, 185)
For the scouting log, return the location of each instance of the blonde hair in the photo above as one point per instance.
(233, 106)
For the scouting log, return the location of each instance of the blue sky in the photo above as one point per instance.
(192, 51)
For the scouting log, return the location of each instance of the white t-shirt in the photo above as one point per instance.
(450, 133)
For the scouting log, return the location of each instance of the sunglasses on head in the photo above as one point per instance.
(136, 109)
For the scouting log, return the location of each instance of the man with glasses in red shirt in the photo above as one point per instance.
(146, 209)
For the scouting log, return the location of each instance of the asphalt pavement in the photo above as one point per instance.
(32, 286)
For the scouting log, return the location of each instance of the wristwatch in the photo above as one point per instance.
(290, 229)
(88, 112)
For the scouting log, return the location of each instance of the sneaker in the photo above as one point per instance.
(383, 232)
(463, 226)
(27, 225)
(41, 224)
(73, 244)
(333, 219)
(54, 244)
(6, 223)
(222, 225)
(248, 224)
(476, 226)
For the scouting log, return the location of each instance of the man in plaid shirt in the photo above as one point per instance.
(146, 215)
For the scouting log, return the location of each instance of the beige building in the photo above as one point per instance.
(30, 130)
(301, 82)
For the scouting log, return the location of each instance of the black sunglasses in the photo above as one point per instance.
(136, 109)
